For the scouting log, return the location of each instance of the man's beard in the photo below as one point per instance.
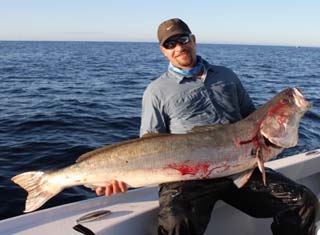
(185, 59)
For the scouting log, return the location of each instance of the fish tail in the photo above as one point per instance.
(39, 188)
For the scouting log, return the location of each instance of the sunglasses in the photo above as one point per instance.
(170, 44)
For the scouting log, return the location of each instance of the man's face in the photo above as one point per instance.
(180, 51)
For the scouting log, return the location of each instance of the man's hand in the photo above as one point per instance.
(112, 187)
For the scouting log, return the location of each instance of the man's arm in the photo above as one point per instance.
(245, 103)
(153, 118)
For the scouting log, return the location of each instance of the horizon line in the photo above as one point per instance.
(155, 42)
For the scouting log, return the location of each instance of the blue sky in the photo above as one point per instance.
(269, 22)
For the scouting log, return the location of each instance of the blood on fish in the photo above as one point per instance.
(278, 107)
(201, 169)
(191, 169)
(253, 140)
(281, 120)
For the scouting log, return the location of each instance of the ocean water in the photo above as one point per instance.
(62, 99)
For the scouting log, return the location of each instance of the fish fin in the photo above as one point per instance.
(39, 189)
(242, 178)
(261, 167)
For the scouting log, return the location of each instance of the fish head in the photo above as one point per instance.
(281, 123)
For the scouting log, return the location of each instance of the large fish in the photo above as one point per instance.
(205, 152)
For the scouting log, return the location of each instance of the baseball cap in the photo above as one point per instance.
(171, 28)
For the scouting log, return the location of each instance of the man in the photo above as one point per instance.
(193, 93)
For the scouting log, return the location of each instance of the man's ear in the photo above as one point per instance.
(193, 37)
(163, 50)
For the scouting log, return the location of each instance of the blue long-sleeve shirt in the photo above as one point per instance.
(175, 104)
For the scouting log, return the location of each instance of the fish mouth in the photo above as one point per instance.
(300, 100)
